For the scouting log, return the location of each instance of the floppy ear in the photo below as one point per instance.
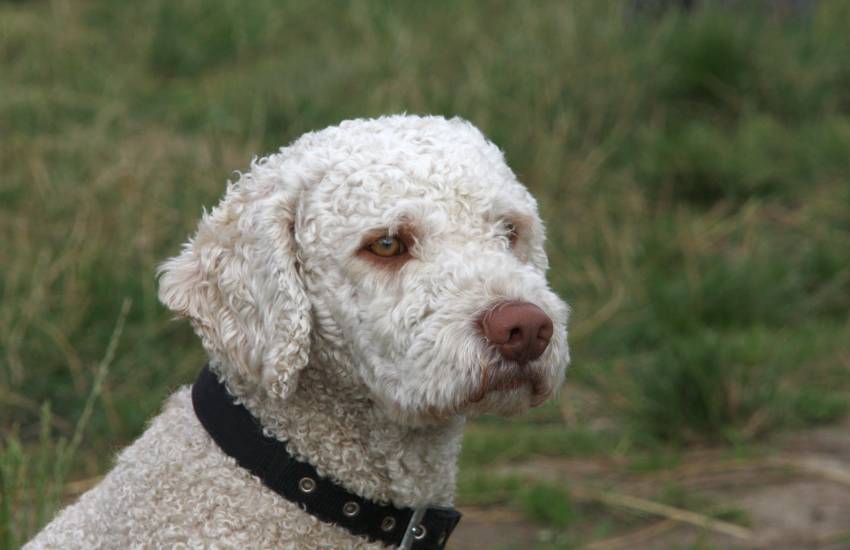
(237, 282)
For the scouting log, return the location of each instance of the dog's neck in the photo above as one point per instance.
(331, 422)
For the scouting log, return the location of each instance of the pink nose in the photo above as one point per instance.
(519, 330)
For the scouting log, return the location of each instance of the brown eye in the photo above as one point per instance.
(387, 246)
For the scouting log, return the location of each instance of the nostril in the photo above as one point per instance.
(545, 331)
(515, 335)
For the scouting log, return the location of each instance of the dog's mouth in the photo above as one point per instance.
(505, 378)
(508, 378)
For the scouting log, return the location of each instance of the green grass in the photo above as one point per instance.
(32, 480)
(546, 504)
(541, 432)
(692, 170)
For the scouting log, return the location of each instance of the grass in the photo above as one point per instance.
(32, 486)
(692, 170)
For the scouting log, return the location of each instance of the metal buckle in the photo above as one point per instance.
(412, 529)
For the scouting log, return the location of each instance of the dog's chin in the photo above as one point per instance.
(504, 389)
(504, 401)
(508, 389)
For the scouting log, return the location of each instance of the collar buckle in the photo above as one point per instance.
(415, 530)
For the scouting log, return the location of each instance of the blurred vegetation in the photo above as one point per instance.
(692, 167)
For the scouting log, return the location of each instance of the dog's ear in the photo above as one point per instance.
(237, 281)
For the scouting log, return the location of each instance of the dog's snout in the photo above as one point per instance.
(519, 330)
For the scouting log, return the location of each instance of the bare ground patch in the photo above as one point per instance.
(797, 495)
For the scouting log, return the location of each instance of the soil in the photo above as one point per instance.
(797, 496)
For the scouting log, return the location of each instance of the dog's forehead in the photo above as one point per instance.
(422, 188)
(459, 173)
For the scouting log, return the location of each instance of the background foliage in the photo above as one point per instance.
(692, 169)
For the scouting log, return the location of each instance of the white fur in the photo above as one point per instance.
(366, 372)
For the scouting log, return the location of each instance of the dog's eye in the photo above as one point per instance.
(512, 233)
(387, 246)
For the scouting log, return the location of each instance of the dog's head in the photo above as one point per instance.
(405, 245)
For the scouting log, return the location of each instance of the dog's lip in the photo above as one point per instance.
(513, 380)
(511, 384)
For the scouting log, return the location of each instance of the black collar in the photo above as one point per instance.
(240, 435)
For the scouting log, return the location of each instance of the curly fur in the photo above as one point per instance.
(366, 369)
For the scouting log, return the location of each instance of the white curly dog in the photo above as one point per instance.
(360, 292)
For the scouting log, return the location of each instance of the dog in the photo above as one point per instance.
(359, 294)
